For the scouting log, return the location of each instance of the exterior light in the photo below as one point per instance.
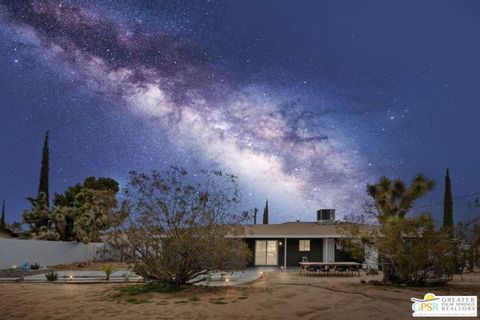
(280, 243)
(281, 267)
(261, 274)
(71, 278)
(14, 266)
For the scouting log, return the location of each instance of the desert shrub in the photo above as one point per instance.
(180, 231)
(51, 276)
(35, 266)
(410, 249)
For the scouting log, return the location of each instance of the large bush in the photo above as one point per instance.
(83, 213)
(410, 249)
(181, 229)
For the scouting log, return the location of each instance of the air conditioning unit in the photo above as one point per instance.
(326, 215)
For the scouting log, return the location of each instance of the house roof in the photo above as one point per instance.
(297, 230)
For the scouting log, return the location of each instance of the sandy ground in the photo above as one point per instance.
(91, 266)
(277, 296)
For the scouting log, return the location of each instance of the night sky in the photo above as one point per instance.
(305, 101)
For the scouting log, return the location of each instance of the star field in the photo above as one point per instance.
(305, 103)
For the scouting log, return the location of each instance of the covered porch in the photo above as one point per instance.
(287, 252)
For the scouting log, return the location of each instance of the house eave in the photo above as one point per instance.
(294, 236)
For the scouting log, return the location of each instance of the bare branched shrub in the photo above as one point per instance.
(181, 225)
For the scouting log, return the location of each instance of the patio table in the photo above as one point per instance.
(304, 265)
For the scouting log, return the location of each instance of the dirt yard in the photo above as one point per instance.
(277, 296)
(91, 266)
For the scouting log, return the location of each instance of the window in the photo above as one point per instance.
(304, 245)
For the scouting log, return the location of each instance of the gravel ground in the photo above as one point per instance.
(19, 273)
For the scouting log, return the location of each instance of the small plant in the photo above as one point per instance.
(108, 269)
(34, 266)
(126, 276)
(51, 276)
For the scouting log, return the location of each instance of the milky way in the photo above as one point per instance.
(278, 147)
(275, 148)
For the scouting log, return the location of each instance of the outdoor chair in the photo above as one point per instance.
(355, 269)
(341, 269)
(304, 259)
(325, 270)
(312, 269)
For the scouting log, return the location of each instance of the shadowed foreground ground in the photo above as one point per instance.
(277, 296)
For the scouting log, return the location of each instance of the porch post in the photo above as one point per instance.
(324, 244)
(285, 254)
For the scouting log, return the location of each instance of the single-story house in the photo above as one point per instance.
(287, 244)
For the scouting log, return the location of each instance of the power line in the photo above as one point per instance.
(454, 199)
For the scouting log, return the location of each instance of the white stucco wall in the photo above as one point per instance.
(47, 253)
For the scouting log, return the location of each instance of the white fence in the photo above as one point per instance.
(48, 253)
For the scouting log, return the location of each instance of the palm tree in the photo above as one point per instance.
(391, 198)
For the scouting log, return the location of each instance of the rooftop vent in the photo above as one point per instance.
(326, 215)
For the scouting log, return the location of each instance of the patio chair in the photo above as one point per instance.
(341, 269)
(325, 270)
(313, 269)
(355, 269)
(304, 268)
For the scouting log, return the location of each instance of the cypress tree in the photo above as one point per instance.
(43, 184)
(448, 203)
(265, 213)
(255, 210)
(2, 219)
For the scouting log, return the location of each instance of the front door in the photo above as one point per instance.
(266, 252)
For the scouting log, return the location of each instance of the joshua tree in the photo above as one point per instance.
(448, 204)
(410, 249)
(39, 216)
(85, 210)
(43, 183)
(265, 213)
(391, 198)
(67, 199)
(82, 213)
(92, 212)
